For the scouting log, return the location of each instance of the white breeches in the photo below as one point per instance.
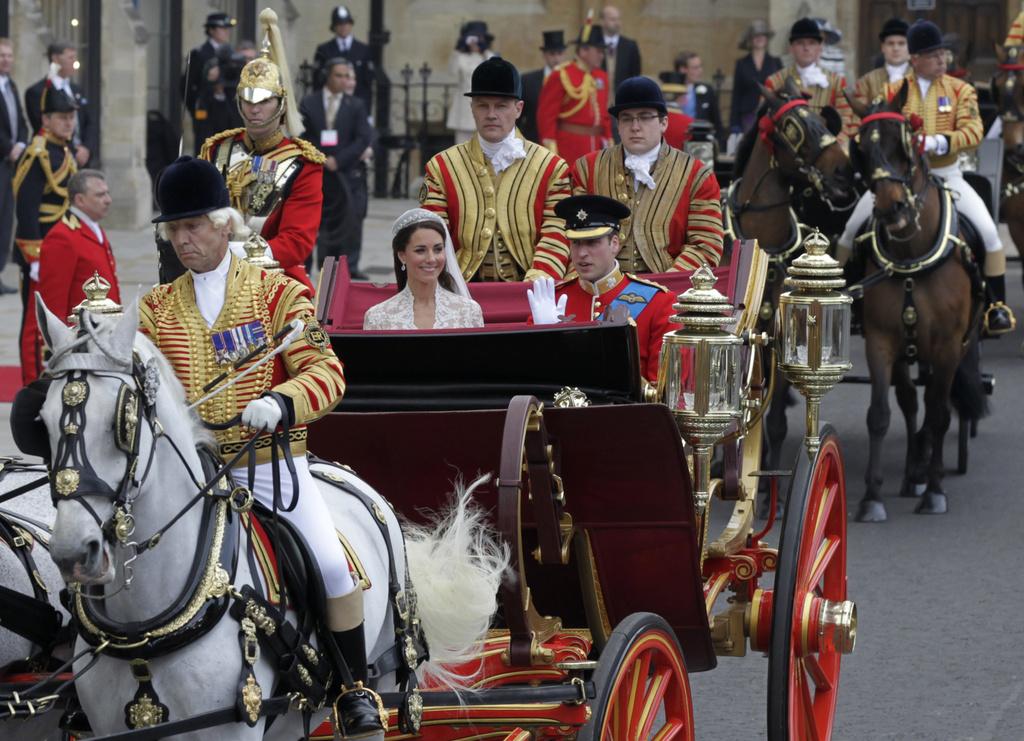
(311, 517)
(967, 201)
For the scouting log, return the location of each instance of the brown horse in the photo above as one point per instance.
(926, 311)
(1008, 92)
(792, 154)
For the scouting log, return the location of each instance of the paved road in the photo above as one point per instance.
(940, 650)
(940, 653)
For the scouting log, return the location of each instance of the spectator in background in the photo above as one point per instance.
(76, 246)
(335, 121)
(216, 109)
(472, 48)
(14, 137)
(199, 72)
(750, 72)
(344, 44)
(701, 101)
(621, 54)
(63, 58)
(554, 52)
(833, 58)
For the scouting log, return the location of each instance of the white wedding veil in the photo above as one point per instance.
(451, 263)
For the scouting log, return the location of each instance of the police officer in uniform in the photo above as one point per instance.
(497, 192)
(41, 199)
(345, 45)
(275, 179)
(600, 289)
(676, 221)
(197, 322)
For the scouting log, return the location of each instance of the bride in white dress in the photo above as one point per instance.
(432, 293)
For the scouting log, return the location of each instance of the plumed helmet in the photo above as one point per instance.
(266, 76)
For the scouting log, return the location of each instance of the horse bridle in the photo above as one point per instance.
(913, 147)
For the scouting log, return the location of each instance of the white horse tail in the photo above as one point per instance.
(456, 564)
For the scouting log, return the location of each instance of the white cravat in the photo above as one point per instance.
(896, 72)
(503, 154)
(812, 76)
(923, 85)
(210, 288)
(84, 218)
(640, 165)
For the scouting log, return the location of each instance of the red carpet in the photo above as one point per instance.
(10, 382)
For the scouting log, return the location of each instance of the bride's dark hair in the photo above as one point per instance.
(401, 241)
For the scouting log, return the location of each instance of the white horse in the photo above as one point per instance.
(455, 570)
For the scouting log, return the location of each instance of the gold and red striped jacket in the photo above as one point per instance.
(956, 117)
(676, 226)
(462, 188)
(308, 373)
(872, 85)
(819, 97)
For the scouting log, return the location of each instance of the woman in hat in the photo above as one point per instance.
(432, 293)
(751, 71)
(473, 47)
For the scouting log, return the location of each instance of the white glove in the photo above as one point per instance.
(542, 302)
(33, 271)
(261, 414)
(937, 144)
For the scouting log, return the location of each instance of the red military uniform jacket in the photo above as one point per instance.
(279, 183)
(649, 305)
(572, 112)
(69, 256)
(676, 226)
(678, 131)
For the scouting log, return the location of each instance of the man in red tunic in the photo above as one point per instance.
(275, 181)
(73, 251)
(572, 113)
(601, 290)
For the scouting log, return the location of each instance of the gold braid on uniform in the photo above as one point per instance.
(212, 141)
(580, 94)
(309, 151)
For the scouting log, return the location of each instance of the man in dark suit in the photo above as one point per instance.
(701, 101)
(202, 71)
(13, 140)
(335, 121)
(86, 139)
(345, 45)
(553, 51)
(621, 55)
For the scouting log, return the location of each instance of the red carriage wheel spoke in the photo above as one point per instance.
(816, 673)
(655, 695)
(826, 552)
(807, 706)
(821, 517)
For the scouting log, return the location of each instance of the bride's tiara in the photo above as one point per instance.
(414, 216)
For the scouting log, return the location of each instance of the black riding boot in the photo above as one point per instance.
(999, 319)
(360, 711)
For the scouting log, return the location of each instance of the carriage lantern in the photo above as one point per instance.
(96, 300)
(700, 374)
(813, 329)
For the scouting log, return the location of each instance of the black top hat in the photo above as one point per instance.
(553, 41)
(56, 101)
(590, 217)
(893, 27)
(638, 92)
(189, 187)
(474, 28)
(924, 36)
(340, 14)
(219, 20)
(805, 28)
(496, 77)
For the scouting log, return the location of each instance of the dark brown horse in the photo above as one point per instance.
(1008, 91)
(927, 311)
(791, 156)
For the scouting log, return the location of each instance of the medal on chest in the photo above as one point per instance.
(944, 105)
(233, 344)
(265, 171)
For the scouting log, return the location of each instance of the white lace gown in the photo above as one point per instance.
(451, 311)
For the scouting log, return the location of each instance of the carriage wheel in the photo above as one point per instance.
(813, 624)
(643, 691)
(962, 442)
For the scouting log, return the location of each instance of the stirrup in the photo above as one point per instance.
(994, 331)
(338, 719)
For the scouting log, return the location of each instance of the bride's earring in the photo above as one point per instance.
(403, 267)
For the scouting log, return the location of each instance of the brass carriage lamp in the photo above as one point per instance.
(700, 375)
(96, 301)
(813, 329)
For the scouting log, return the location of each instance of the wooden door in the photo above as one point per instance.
(979, 23)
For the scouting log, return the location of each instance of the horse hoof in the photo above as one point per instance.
(933, 503)
(871, 510)
(913, 491)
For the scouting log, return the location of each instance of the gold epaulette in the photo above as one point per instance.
(659, 286)
(212, 141)
(70, 221)
(35, 150)
(310, 152)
